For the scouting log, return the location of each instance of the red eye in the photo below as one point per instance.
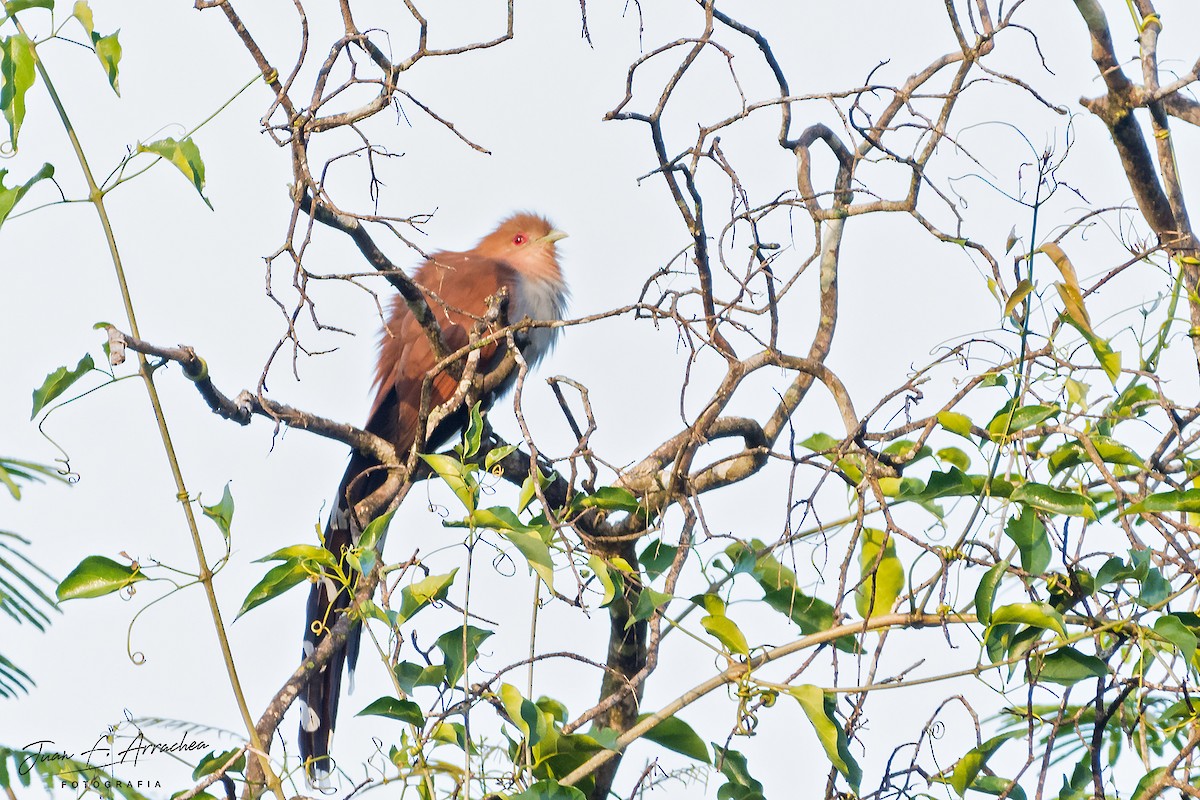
(519, 239)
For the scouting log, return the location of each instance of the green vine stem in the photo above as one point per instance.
(96, 198)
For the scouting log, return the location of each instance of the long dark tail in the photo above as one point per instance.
(327, 603)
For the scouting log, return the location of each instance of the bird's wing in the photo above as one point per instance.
(457, 286)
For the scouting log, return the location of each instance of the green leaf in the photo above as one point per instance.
(1173, 629)
(407, 673)
(657, 558)
(185, 155)
(108, 50)
(1038, 615)
(985, 593)
(1155, 589)
(549, 790)
(410, 675)
(523, 713)
(727, 633)
(1114, 570)
(554, 708)
(1081, 779)
(906, 450)
(1054, 501)
(14, 6)
(498, 454)
(17, 74)
(58, 382)
(419, 594)
(969, 766)
(1029, 535)
(1110, 451)
(451, 733)
(601, 571)
(472, 435)
(995, 785)
(648, 602)
(677, 736)
(214, 760)
(951, 483)
(1066, 666)
(828, 446)
(954, 457)
(955, 422)
(710, 602)
(452, 644)
(1142, 790)
(96, 576)
(10, 197)
(820, 707)
(1109, 360)
(781, 591)
(536, 552)
(390, 707)
(375, 531)
(278, 580)
(221, 513)
(1020, 644)
(611, 498)
(741, 784)
(302, 552)
(1164, 502)
(528, 492)
(1135, 401)
(499, 519)
(1008, 421)
(457, 475)
(882, 574)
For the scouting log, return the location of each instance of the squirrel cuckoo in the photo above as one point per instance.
(518, 256)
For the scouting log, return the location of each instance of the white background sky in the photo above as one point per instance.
(537, 103)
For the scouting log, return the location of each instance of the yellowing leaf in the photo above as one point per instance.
(727, 633)
(185, 155)
(1073, 306)
(1020, 292)
(1011, 241)
(600, 570)
(1059, 256)
(955, 458)
(108, 50)
(83, 12)
(1077, 392)
(882, 574)
(955, 422)
(16, 78)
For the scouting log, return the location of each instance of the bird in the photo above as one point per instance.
(520, 256)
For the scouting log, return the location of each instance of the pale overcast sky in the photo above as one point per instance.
(537, 103)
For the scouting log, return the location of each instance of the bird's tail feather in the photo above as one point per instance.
(327, 603)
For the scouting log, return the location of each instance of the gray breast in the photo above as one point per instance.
(539, 300)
